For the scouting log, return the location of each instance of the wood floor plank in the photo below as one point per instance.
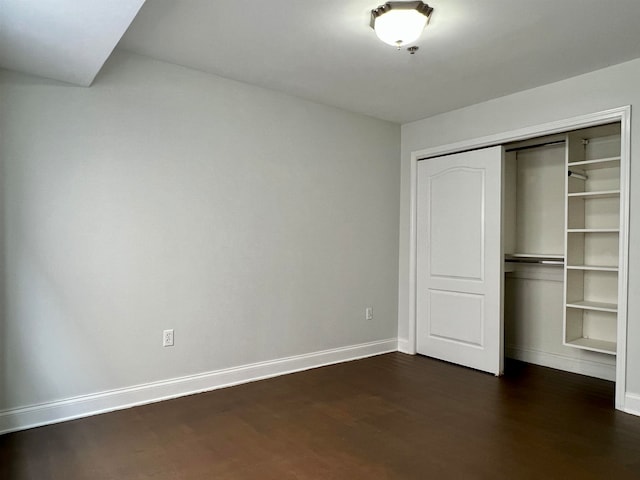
(388, 417)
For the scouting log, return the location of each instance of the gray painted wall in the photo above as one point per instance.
(596, 91)
(255, 224)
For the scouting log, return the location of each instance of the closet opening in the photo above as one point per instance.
(563, 252)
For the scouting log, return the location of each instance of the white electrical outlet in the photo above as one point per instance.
(167, 338)
(368, 313)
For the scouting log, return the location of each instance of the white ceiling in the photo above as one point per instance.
(67, 40)
(472, 51)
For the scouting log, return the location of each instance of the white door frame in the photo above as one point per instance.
(620, 114)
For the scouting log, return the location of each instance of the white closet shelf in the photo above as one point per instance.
(594, 345)
(596, 268)
(600, 194)
(596, 164)
(596, 306)
(593, 230)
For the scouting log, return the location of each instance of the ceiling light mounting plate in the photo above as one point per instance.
(421, 7)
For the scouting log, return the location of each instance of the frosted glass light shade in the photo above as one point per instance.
(399, 27)
(400, 23)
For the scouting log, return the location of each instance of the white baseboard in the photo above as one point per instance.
(403, 346)
(86, 405)
(632, 404)
(590, 368)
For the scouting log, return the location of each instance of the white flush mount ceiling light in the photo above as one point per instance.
(400, 23)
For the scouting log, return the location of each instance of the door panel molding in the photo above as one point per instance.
(456, 305)
(469, 255)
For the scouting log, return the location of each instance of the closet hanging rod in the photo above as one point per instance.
(535, 261)
(577, 175)
(537, 145)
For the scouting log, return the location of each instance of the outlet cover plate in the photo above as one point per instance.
(167, 338)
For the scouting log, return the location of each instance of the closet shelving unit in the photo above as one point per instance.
(592, 240)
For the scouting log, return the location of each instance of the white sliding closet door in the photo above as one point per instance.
(459, 255)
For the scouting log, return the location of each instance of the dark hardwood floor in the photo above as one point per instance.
(392, 416)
